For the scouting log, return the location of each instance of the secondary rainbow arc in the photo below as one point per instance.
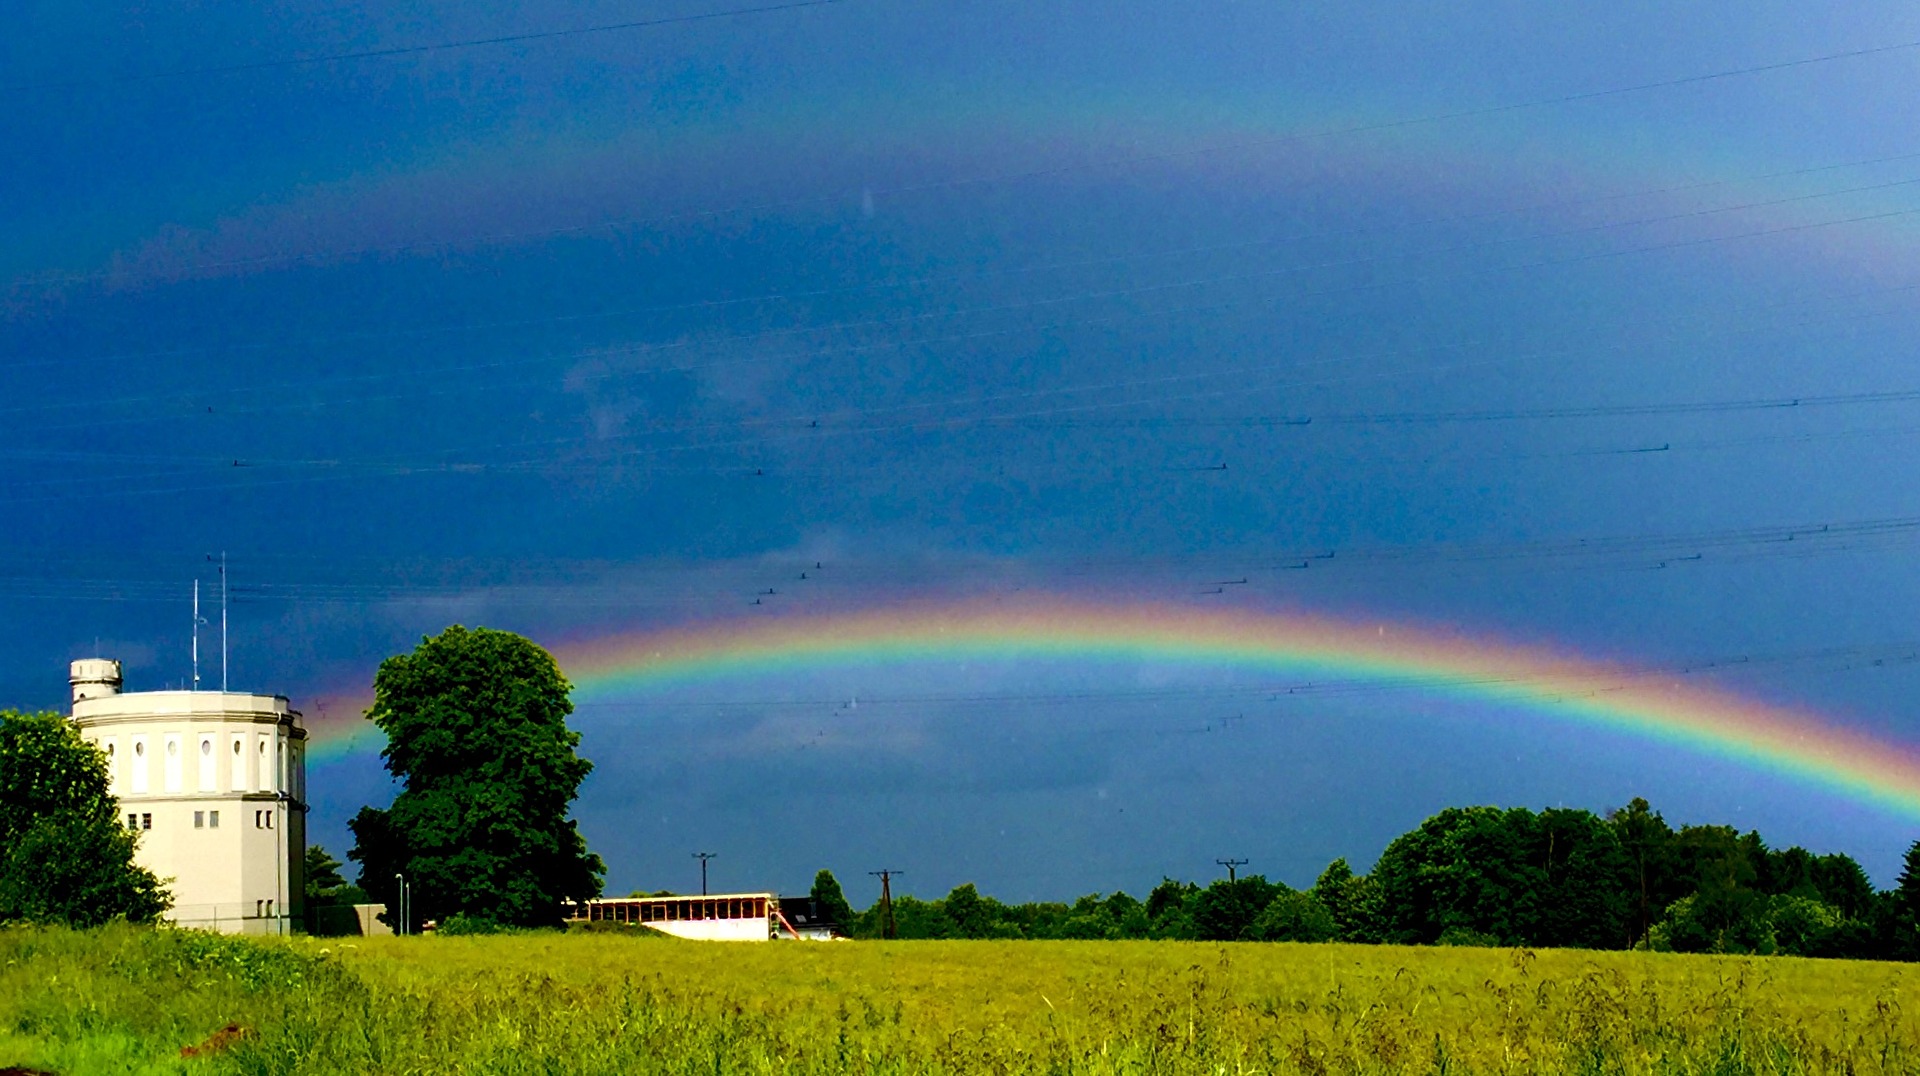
(1560, 687)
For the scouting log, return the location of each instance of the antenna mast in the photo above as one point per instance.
(196, 636)
(223, 620)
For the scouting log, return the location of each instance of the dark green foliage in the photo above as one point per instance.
(1843, 883)
(476, 732)
(1558, 878)
(826, 893)
(1354, 903)
(1485, 876)
(1294, 916)
(1897, 924)
(64, 856)
(329, 897)
(1225, 911)
(970, 916)
(1653, 879)
(1169, 909)
(457, 925)
(322, 875)
(1906, 892)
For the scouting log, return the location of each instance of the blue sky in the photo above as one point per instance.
(614, 330)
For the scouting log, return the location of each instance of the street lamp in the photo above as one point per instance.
(400, 898)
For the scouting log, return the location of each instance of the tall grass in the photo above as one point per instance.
(127, 1000)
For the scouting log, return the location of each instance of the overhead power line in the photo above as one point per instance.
(412, 50)
(558, 582)
(440, 387)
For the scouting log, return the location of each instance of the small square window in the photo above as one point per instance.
(199, 820)
(146, 821)
(133, 820)
(213, 819)
(259, 820)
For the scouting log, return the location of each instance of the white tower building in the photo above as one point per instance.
(216, 783)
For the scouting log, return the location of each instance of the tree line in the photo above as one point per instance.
(1490, 876)
(476, 730)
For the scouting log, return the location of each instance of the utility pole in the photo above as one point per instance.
(888, 929)
(703, 857)
(1230, 864)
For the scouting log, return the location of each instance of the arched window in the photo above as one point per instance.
(206, 748)
(140, 749)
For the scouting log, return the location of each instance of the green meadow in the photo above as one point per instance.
(127, 999)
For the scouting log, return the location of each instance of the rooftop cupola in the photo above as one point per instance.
(94, 678)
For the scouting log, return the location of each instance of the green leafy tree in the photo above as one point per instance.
(1294, 916)
(1460, 868)
(322, 875)
(1898, 918)
(64, 856)
(1225, 911)
(1354, 902)
(831, 901)
(913, 919)
(968, 913)
(1129, 915)
(1090, 919)
(1169, 910)
(1844, 884)
(1906, 890)
(477, 735)
(1803, 926)
(1586, 885)
(1555, 878)
(1647, 842)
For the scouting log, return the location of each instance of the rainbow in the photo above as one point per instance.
(1574, 690)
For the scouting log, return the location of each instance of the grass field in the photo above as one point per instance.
(128, 1000)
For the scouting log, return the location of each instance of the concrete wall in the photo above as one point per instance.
(350, 920)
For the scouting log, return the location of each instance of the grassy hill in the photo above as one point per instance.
(128, 999)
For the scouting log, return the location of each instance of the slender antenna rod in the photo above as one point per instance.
(223, 620)
(196, 636)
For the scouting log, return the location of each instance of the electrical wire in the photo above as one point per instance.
(410, 50)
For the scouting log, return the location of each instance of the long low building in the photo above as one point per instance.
(715, 917)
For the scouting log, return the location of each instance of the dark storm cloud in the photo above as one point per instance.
(591, 336)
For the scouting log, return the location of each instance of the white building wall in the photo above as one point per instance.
(243, 873)
(716, 929)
